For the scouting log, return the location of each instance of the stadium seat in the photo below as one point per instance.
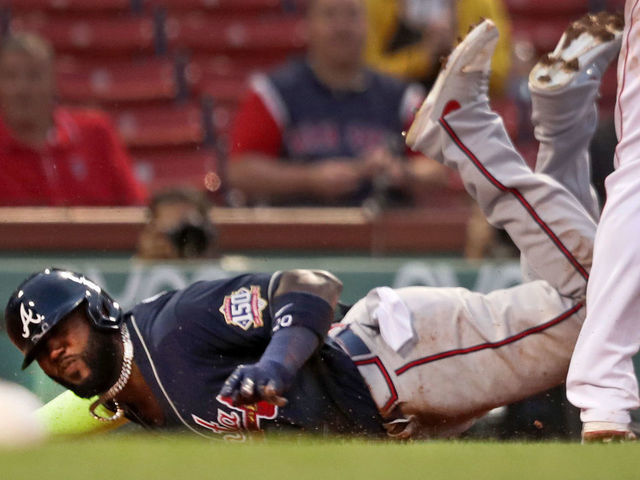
(609, 84)
(542, 33)
(508, 111)
(543, 8)
(177, 167)
(248, 7)
(528, 149)
(615, 5)
(608, 91)
(224, 90)
(151, 80)
(225, 83)
(213, 34)
(73, 7)
(223, 65)
(218, 118)
(93, 36)
(158, 126)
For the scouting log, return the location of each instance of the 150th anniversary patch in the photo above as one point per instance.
(243, 308)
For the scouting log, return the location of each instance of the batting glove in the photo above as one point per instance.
(263, 381)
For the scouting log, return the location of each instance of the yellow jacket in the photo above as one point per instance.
(410, 62)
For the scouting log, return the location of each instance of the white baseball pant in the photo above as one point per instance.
(473, 352)
(601, 379)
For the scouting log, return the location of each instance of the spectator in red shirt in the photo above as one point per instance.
(326, 129)
(51, 155)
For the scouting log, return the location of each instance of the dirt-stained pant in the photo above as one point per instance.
(601, 380)
(472, 352)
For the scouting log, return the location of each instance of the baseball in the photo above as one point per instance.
(19, 426)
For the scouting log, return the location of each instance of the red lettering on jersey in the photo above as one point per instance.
(227, 425)
(252, 414)
(231, 424)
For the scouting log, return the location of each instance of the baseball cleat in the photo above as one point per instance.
(587, 46)
(463, 80)
(606, 432)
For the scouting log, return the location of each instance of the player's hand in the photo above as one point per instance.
(335, 178)
(249, 384)
(382, 163)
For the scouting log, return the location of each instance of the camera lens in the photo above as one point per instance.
(191, 240)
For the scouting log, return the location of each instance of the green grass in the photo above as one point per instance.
(147, 457)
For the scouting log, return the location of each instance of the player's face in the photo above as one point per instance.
(81, 358)
(26, 88)
(337, 31)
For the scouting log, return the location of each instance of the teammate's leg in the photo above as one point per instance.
(457, 126)
(601, 380)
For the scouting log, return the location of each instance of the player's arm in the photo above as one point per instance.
(257, 170)
(302, 310)
(266, 179)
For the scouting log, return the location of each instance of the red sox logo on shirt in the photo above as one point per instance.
(230, 424)
(243, 308)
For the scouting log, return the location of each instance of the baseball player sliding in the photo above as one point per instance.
(601, 380)
(257, 352)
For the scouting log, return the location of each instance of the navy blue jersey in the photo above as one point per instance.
(322, 123)
(317, 122)
(188, 342)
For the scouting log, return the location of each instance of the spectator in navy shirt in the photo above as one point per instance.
(325, 129)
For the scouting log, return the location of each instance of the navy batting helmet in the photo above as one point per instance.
(47, 297)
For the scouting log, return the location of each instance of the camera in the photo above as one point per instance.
(191, 238)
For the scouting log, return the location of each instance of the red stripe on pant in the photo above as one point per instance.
(490, 345)
(516, 193)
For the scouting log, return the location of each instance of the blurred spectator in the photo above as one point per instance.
(408, 37)
(326, 129)
(50, 155)
(179, 227)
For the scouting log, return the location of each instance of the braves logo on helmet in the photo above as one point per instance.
(28, 317)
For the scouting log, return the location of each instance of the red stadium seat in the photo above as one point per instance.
(221, 120)
(225, 90)
(543, 8)
(609, 84)
(232, 35)
(223, 65)
(226, 84)
(508, 111)
(608, 92)
(151, 80)
(251, 7)
(177, 167)
(70, 7)
(615, 5)
(95, 36)
(542, 33)
(160, 125)
(528, 149)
